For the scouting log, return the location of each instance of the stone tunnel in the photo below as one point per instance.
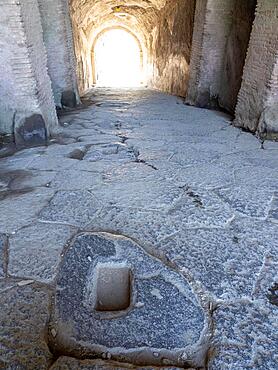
(138, 184)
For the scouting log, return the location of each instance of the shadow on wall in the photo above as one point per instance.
(172, 40)
(237, 44)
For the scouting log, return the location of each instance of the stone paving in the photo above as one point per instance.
(176, 194)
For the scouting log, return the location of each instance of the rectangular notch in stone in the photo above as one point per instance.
(113, 288)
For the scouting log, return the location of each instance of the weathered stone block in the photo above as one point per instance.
(23, 319)
(69, 99)
(164, 318)
(31, 131)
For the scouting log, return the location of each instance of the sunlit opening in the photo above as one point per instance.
(118, 60)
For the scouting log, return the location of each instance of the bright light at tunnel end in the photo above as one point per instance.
(118, 60)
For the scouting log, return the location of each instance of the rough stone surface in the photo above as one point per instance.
(154, 288)
(258, 98)
(75, 208)
(58, 40)
(197, 195)
(243, 15)
(25, 87)
(35, 251)
(213, 20)
(23, 323)
(68, 363)
(31, 132)
(21, 208)
(69, 99)
(246, 336)
(3, 257)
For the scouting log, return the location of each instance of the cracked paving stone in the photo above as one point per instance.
(198, 208)
(3, 241)
(163, 320)
(49, 162)
(206, 176)
(75, 208)
(35, 251)
(249, 201)
(145, 226)
(246, 335)
(69, 363)
(73, 179)
(130, 172)
(21, 209)
(110, 152)
(139, 194)
(23, 319)
(224, 262)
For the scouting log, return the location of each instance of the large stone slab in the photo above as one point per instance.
(75, 208)
(23, 318)
(35, 251)
(21, 208)
(163, 324)
(226, 262)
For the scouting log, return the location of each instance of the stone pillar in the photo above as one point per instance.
(213, 19)
(27, 107)
(58, 39)
(257, 107)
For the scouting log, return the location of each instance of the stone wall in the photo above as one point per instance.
(258, 97)
(213, 20)
(243, 14)
(57, 35)
(163, 27)
(26, 101)
(171, 46)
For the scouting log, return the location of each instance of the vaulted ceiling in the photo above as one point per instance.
(136, 14)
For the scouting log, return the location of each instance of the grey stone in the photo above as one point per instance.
(156, 321)
(3, 256)
(23, 319)
(75, 179)
(75, 208)
(21, 209)
(110, 152)
(31, 132)
(68, 99)
(113, 288)
(245, 336)
(273, 213)
(209, 212)
(35, 251)
(69, 363)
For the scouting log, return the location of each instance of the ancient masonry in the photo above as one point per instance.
(138, 226)
(191, 56)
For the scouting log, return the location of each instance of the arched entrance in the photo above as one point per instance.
(117, 59)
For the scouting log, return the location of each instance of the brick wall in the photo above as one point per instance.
(259, 91)
(57, 35)
(25, 87)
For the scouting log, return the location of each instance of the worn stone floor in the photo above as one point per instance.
(187, 201)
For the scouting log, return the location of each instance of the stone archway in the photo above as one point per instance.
(105, 31)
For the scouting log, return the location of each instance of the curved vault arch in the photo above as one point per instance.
(94, 38)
